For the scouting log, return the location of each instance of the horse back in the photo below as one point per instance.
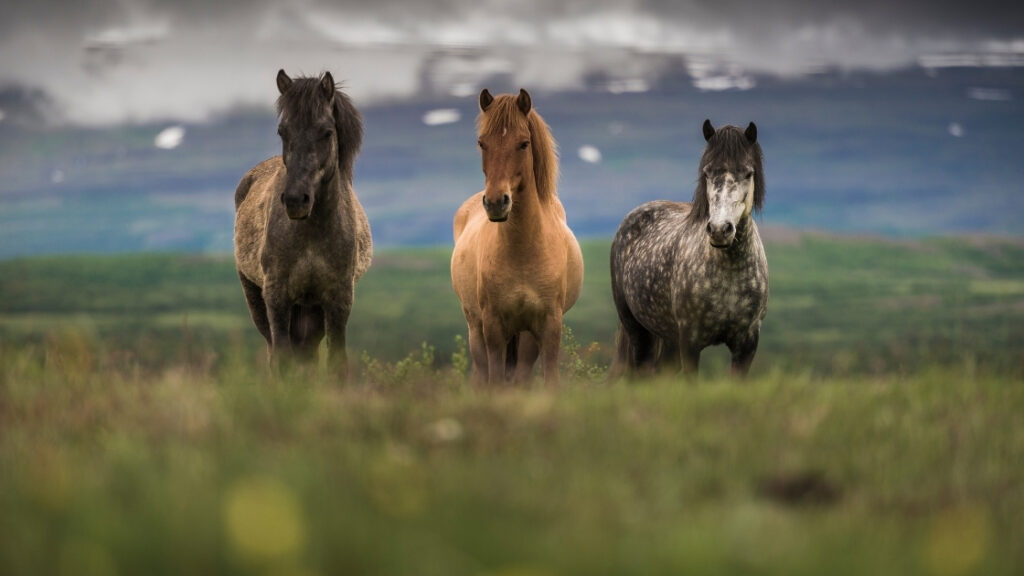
(256, 175)
(363, 239)
(464, 214)
(574, 261)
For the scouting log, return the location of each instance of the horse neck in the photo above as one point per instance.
(744, 245)
(334, 196)
(526, 220)
(747, 239)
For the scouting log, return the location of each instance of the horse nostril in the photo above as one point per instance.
(708, 228)
(305, 198)
(282, 199)
(506, 199)
(729, 228)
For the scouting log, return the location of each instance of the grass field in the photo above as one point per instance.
(881, 432)
(838, 306)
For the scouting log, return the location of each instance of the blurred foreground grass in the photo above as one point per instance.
(106, 469)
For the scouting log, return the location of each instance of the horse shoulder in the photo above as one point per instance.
(251, 215)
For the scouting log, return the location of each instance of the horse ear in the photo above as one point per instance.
(485, 99)
(709, 130)
(524, 102)
(283, 81)
(751, 133)
(327, 86)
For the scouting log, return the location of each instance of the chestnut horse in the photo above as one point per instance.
(517, 267)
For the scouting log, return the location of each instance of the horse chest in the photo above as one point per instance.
(309, 272)
(520, 300)
(714, 302)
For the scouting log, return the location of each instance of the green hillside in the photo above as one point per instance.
(838, 305)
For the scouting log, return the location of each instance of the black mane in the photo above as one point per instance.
(728, 147)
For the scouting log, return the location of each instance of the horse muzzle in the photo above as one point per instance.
(498, 211)
(297, 206)
(721, 234)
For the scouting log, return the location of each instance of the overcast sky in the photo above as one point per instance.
(109, 61)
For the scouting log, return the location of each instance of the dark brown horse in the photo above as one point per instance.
(302, 239)
(690, 275)
(516, 266)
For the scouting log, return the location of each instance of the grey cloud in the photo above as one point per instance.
(138, 60)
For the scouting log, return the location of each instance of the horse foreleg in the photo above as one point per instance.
(478, 352)
(279, 314)
(307, 330)
(689, 354)
(743, 351)
(668, 358)
(257, 307)
(336, 323)
(496, 343)
(550, 343)
(690, 360)
(529, 350)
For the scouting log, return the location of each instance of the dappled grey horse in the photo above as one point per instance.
(690, 275)
(302, 239)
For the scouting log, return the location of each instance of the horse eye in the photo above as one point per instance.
(481, 145)
(327, 134)
(524, 145)
(749, 175)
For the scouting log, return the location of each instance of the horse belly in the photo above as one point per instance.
(654, 311)
(647, 290)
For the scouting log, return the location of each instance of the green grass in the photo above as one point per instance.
(880, 433)
(109, 470)
(838, 306)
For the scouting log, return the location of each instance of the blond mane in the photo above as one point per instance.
(504, 114)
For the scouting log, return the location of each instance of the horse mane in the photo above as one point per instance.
(504, 114)
(304, 100)
(728, 145)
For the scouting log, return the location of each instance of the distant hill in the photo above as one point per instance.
(838, 305)
(907, 153)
